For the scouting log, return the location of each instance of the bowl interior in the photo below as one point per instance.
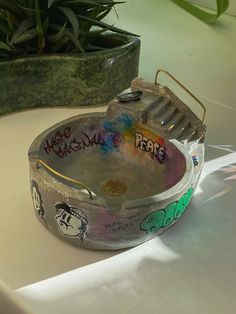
(118, 160)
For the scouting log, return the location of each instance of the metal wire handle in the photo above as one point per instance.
(39, 161)
(184, 88)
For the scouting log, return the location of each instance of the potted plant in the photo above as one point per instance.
(62, 53)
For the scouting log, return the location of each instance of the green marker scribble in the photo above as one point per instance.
(153, 222)
(170, 214)
(162, 218)
(189, 195)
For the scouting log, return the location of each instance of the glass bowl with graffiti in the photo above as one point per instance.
(116, 179)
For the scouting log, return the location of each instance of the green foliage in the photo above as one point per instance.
(52, 26)
(202, 14)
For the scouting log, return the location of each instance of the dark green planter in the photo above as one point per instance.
(70, 80)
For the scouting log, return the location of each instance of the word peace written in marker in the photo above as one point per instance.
(147, 145)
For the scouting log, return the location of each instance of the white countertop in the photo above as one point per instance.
(191, 267)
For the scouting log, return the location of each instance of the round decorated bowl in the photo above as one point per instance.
(111, 180)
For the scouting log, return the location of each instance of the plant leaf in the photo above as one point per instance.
(201, 14)
(4, 28)
(103, 14)
(45, 25)
(75, 41)
(4, 46)
(11, 7)
(89, 3)
(31, 4)
(3, 55)
(28, 11)
(50, 3)
(22, 28)
(38, 18)
(9, 21)
(57, 37)
(58, 46)
(72, 18)
(26, 36)
(104, 25)
(39, 27)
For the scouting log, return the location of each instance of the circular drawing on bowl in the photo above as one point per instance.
(37, 200)
(71, 221)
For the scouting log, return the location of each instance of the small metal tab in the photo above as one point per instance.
(130, 96)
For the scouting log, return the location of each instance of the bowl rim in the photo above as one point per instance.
(179, 188)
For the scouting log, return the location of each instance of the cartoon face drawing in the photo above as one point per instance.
(37, 200)
(71, 221)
